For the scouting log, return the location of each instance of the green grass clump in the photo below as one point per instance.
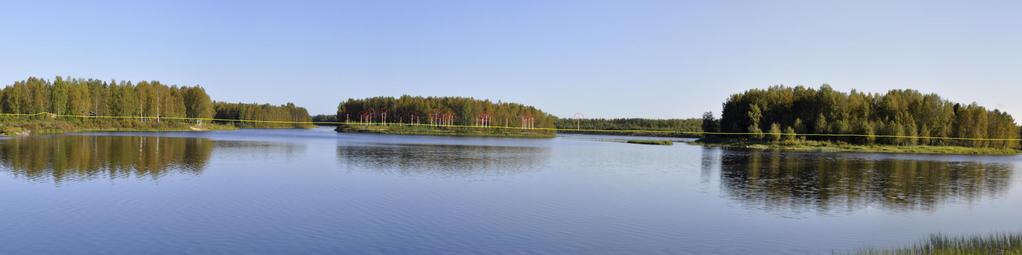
(651, 142)
(943, 244)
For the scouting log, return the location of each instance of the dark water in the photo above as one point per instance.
(315, 191)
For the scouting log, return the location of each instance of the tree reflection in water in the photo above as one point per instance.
(442, 160)
(824, 183)
(77, 158)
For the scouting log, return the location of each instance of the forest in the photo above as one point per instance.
(325, 119)
(442, 111)
(155, 104)
(897, 117)
(268, 116)
(625, 126)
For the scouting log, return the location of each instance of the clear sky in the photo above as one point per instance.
(631, 58)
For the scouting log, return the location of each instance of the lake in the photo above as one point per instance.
(317, 191)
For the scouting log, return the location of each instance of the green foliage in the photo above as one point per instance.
(276, 116)
(680, 125)
(443, 111)
(710, 123)
(870, 131)
(89, 97)
(325, 118)
(404, 129)
(789, 135)
(197, 103)
(154, 103)
(821, 125)
(775, 132)
(880, 117)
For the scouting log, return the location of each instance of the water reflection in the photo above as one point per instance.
(78, 158)
(259, 150)
(832, 182)
(442, 160)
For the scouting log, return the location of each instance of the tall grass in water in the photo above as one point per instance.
(944, 244)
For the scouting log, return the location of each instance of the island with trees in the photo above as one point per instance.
(803, 118)
(449, 116)
(36, 105)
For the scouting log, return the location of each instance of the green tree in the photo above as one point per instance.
(821, 124)
(755, 115)
(924, 134)
(197, 103)
(789, 134)
(710, 123)
(775, 132)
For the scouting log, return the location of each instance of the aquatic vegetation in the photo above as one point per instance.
(651, 142)
(1010, 243)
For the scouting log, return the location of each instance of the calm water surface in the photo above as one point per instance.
(315, 191)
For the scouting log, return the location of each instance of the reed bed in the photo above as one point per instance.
(1004, 243)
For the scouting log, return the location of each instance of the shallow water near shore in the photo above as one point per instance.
(318, 191)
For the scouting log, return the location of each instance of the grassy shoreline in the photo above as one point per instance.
(843, 147)
(651, 142)
(51, 127)
(444, 131)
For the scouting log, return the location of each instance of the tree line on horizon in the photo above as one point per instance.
(682, 125)
(149, 100)
(442, 111)
(897, 117)
(281, 116)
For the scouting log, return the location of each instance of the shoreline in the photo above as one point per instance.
(35, 128)
(834, 147)
(37, 132)
(630, 133)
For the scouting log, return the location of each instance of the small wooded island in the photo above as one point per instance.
(39, 106)
(448, 116)
(807, 119)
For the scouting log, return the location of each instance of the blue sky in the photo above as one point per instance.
(657, 59)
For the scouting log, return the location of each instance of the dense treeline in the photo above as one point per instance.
(321, 119)
(146, 99)
(273, 116)
(155, 105)
(683, 125)
(779, 112)
(631, 126)
(443, 111)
